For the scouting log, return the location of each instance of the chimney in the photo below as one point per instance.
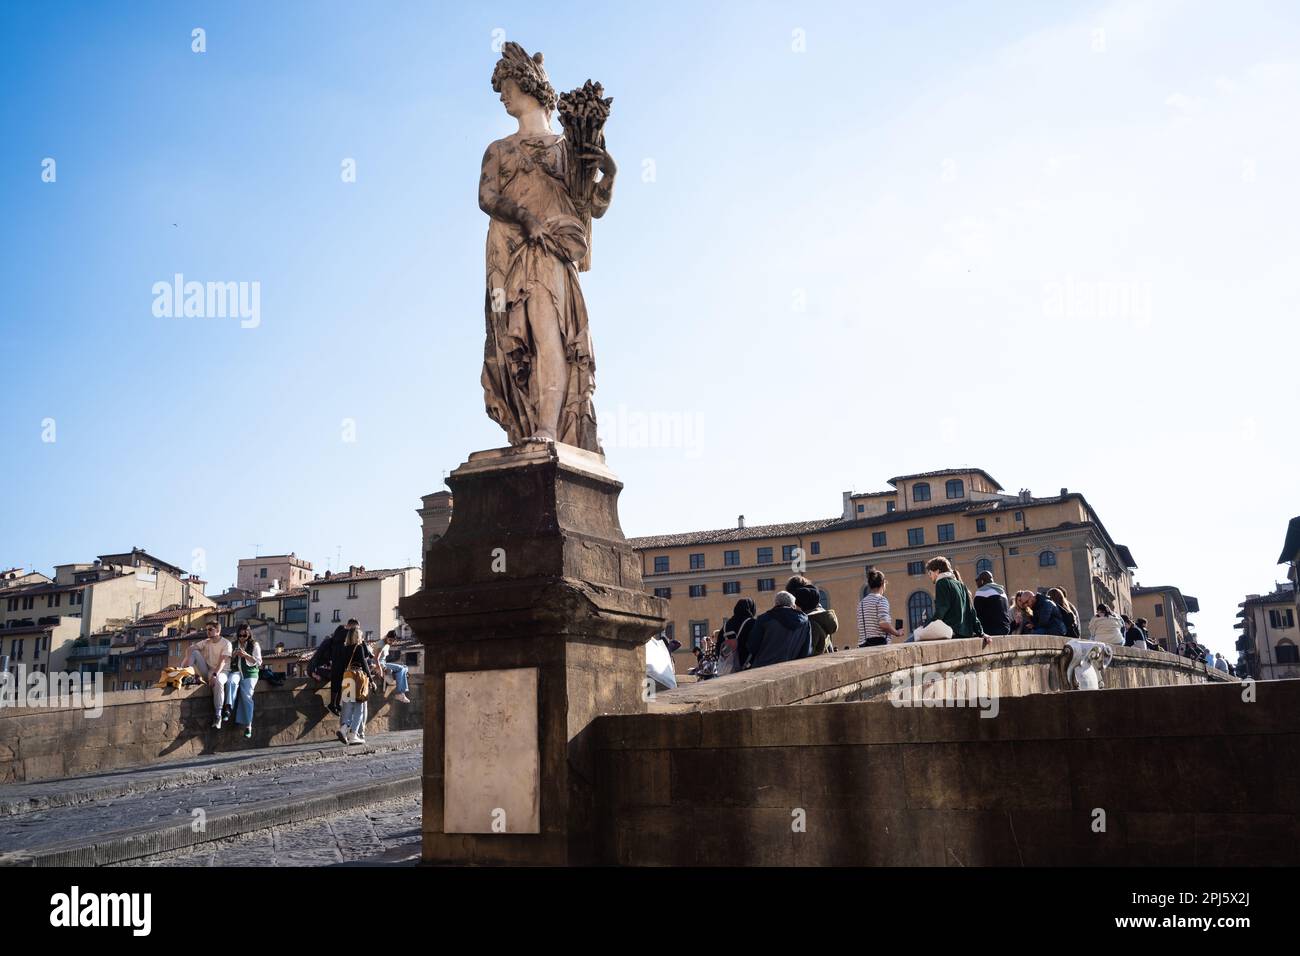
(1064, 492)
(848, 505)
(740, 521)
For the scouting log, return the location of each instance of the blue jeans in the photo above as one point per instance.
(399, 676)
(232, 688)
(354, 716)
(244, 712)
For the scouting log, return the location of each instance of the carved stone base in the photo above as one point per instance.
(534, 601)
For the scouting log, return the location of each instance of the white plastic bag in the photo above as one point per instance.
(659, 663)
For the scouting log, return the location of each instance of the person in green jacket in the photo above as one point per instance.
(952, 601)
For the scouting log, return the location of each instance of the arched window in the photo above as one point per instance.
(921, 491)
(1047, 559)
(956, 488)
(982, 565)
(919, 608)
(1287, 652)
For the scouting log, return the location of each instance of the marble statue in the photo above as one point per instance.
(541, 192)
(1083, 663)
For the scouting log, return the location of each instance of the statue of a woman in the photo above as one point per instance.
(538, 368)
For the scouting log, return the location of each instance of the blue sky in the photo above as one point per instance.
(1058, 242)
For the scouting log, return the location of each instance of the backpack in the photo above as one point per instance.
(358, 677)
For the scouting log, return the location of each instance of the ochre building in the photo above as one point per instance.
(962, 513)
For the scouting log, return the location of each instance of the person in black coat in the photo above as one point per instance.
(321, 666)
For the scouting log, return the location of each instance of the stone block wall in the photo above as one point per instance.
(1178, 775)
(148, 726)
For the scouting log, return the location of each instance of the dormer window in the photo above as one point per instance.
(921, 491)
(956, 488)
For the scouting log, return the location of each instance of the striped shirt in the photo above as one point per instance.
(873, 609)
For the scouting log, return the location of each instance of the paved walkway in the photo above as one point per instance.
(386, 834)
(133, 814)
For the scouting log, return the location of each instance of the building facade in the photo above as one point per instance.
(369, 596)
(1026, 542)
(1270, 638)
(84, 606)
(1165, 609)
(272, 572)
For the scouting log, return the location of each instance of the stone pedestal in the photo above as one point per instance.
(534, 621)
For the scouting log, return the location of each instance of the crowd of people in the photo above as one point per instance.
(345, 659)
(797, 626)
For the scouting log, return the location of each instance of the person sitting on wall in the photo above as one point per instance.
(781, 634)
(321, 663)
(1047, 617)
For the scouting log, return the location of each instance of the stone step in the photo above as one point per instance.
(226, 796)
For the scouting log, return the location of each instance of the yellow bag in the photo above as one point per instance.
(358, 678)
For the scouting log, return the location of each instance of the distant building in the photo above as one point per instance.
(1166, 609)
(286, 615)
(273, 572)
(369, 596)
(1026, 542)
(69, 622)
(1291, 556)
(1270, 639)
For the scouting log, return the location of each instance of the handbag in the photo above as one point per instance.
(359, 679)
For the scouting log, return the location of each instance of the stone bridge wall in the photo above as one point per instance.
(146, 726)
(1181, 775)
(1023, 665)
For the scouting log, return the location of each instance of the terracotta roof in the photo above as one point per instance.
(168, 614)
(946, 472)
(1284, 592)
(790, 529)
(358, 576)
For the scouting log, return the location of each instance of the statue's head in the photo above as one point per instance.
(519, 77)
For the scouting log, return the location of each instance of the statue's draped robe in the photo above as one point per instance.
(530, 171)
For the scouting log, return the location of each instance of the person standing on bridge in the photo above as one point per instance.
(875, 620)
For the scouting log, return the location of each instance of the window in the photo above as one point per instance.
(1160, 610)
(816, 547)
(877, 539)
(697, 562)
(262, 573)
(1287, 653)
(915, 537)
(54, 600)
(981, 525)
(1281, 619)
(1013, 551)
(1020, 516)
(315, 594)
(919, 607)
(699, 590)
(352, 590)
(947, 532)
(861, 508)
(764, 555)
(669, 629)
(337, 615)
(661, 564)
(731, 558)
(982, 565)
(18, 648)
(699, 631)
(316, 617)
(890, 506)
(1047, 559)
(956, 488)
(664, 593)
(916, 567)
(824, 597)
(79, 597)
(28, 602)
(730, 587)
(787, 551)
(921, 491)
(767, 584)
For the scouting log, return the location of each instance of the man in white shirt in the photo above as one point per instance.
(210, 659)
(875, 623)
